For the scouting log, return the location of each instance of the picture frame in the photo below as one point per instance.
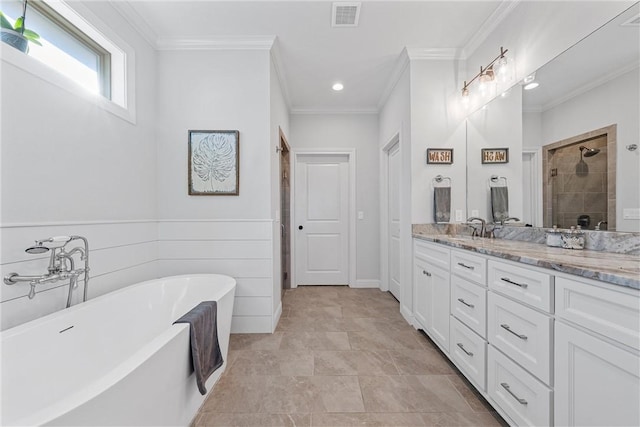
(214, 163)
(439, 156)
(494, 155)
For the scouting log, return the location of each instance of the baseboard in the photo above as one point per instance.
(408, 316)
(276, 317)
(366, 283)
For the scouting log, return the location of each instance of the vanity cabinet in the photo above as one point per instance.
(431, 291)
(544, 348)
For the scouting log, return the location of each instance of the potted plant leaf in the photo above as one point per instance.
(17, 35)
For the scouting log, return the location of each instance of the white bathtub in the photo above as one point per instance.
(122, 362)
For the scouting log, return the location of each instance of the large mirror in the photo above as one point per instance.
(574, 162)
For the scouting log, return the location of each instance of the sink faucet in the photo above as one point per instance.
(475, 230)
(598, 226)
(61, 265)
(511, 218)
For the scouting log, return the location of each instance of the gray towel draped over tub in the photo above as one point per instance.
(205, 348)
(441, 204)
(499, 203)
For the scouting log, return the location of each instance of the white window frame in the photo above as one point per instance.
(122, 84)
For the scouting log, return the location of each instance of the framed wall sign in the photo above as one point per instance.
(495, 155)
(442, 156)
(214, 167)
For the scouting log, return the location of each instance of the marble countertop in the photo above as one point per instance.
(614, 268)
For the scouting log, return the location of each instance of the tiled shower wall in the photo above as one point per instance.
(579, 185)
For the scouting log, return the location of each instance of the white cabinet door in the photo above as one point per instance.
(438, 306)
(420, 286)
(596, 383)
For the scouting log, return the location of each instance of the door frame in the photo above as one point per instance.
(351, 162)
(536, 176)
(384, 211)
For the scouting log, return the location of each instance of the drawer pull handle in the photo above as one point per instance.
(426, 273)
(506, 279)
(468, 353)
(520, 400)
(506, 327)
(466, 303)
(470, 267)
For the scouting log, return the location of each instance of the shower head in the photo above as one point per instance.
(37, 249)
(53, 242)
(588, 152)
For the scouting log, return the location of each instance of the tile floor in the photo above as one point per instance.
(341, 357)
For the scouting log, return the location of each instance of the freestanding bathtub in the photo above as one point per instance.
(114, 360)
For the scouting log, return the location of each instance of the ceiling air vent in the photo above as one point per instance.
(345, 14)
(633, 22)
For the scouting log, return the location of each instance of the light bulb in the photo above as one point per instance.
(502, 68)
(337, 87)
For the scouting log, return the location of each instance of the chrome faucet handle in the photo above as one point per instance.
(32, 291)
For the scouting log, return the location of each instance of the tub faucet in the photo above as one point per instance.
(475, 230)
(61, 265)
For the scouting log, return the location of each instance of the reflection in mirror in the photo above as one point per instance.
(498, 125)
(588, 97)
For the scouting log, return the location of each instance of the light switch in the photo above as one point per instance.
(631, 213)
(360, 215)
(459, 217)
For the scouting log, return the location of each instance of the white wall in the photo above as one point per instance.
(359, 132)
(395, 119)
(279, 122)
(498, 125)
(218, 90)
(71, 167)
(433, 125)
(615, 102)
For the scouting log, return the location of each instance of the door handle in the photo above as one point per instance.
(300, 227)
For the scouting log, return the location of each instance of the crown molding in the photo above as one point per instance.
(591, 85)
(400, 66)
(136, 21)
(217, 43)
(319, 110)
(433, 53)
(278, 65)
(488, 26)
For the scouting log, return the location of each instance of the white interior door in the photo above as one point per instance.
(394, 219)
(322, 219)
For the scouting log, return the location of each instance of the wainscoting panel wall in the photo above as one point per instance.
(238, 248)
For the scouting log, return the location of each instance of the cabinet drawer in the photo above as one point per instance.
(469, 266)
(615, 314)
(435, 254)
(521, 333)
(530, 287)
(468, 352)
(469, 304)
(526, 400)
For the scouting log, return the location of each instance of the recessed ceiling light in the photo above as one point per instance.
(531, 85)
(337, 87)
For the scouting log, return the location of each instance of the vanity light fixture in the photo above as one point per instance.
(337, 87)
(499, 67)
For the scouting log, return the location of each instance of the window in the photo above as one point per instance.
(64, 47)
